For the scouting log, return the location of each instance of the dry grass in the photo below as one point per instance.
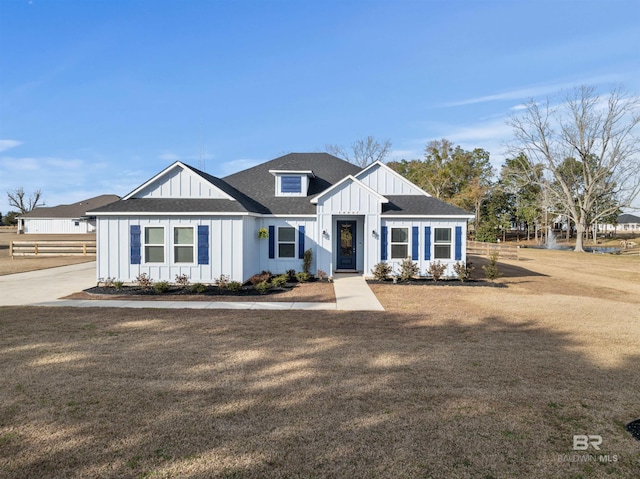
(10, 265)
(448, 382)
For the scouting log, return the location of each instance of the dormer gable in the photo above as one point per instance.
(179, 181)
(292, 182)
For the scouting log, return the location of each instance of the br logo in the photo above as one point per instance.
(581, 442)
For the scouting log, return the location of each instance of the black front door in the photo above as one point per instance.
(346, 245)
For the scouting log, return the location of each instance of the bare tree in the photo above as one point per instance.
(363, 152)
(25, 203)
(600, 136)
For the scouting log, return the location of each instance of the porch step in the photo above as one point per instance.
(353, 293)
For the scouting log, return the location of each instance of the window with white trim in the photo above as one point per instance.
(154, 244)
(183, 244)
(286, 242)
(399, 243)
(291, 184)
(442, 243)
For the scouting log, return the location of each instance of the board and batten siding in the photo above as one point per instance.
(262, 261)
(180, 183)
(387, 182)
(57, 226)
(422, 241)
(113, 258)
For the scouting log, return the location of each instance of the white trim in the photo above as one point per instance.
(382, 199)
(292, 172)
(450, 243)
(192, 245)
(295, 242)
(408, 217)
(144, 244)
(176, 213)
(177, 164)
(394, 173)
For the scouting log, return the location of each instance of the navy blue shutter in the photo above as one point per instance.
(135, 244)
(203, 244)
(300, 242)
(291, 184)
(272, 242)
(383, 244)
(458, 243)
(427, 243)
(415, 235)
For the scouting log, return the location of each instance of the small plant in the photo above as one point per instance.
(303, 277)
(118, 285)
(408, 269)
(321, 275)
(307, 257)
(436, 270)
(144, 281)
(381, 271)
(222, 281)
(279, 281)
(161, 287)
(182, 280)
(491, 269)
(291, 275)
(263, 233)
(106, 282)
(259, 278)
(263, 287)
(234, 286)
(463, 270)
(198, 288)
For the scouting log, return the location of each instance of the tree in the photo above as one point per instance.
(363, 152)
(598, 134)
(25, 204)
(11, 218)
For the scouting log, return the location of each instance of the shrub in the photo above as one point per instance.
(259, 278)
(491, 269)
(436, 270)
(408, 269)
(307, 257)
(161, 286)
(279, 281)
(222, 281)
(303, 277)
(198, 288)
(106, 282)
(381, 271)
(263, 287)
(291, 275)
(144, 281)
(182, 280)
(118, 285)
(487, 233)
(234, 286)
(463, 271)
(321, 275)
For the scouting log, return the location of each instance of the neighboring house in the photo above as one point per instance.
(626, 223)
(185, 221)
(63, 219)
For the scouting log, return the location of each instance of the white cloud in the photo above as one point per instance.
(8, 144)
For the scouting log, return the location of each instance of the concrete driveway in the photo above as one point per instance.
(33, 287)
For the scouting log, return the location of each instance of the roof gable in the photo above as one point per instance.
(75, 210)
(339, 185)
(386, 181)
(179, 181)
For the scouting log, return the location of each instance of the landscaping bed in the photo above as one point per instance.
(442, 282)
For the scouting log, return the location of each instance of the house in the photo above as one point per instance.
(185, 221)
(63, 219)
(625, 224)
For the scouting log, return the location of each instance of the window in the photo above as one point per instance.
(154, 244)
(442, 243)
(286, 242)
(399, 243)
(183, 244)
(291, 184)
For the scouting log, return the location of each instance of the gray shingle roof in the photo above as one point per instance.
(75, 210)
(628, 218)
(173, 205)
(420, 205)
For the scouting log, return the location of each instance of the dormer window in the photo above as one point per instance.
(292, 183)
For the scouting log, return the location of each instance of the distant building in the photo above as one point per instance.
(64, 219)
(626, 223)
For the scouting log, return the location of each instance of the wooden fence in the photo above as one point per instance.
(52, 248)
(504, 251)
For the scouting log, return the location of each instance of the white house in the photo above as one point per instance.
(63, 219)
(185, 221)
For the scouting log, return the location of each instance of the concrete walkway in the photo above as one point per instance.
(44, 287)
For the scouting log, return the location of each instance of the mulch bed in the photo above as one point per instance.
(301, 292)
(442, 282)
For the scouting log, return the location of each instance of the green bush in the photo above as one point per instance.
(408, 269)
(436, 270)
(381, 271)
(279, 281)
(198, 288)
(487, 233)
(118, 285)
(491, 269)
(161, 286)
(263, 287)
(303, 277)
(306, 261)
(234, 286)
(291, 275)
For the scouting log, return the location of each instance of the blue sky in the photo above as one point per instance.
(98, 96)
